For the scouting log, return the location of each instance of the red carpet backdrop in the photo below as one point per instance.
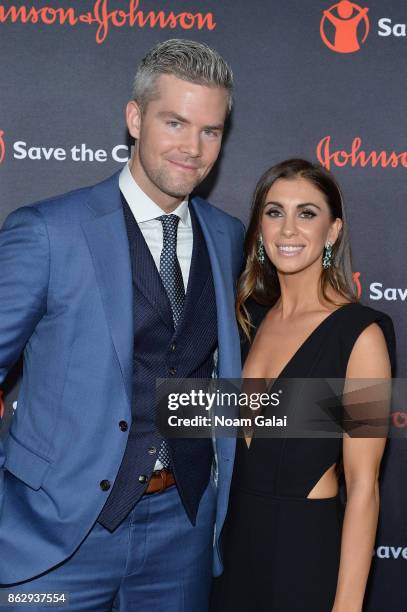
(320, 80)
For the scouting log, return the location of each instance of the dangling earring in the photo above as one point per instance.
(260, 250)
(327, 260)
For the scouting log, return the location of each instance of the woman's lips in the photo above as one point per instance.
(290, 250)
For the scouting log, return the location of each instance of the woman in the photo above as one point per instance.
(288, 545)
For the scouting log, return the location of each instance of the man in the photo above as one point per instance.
(109, 288)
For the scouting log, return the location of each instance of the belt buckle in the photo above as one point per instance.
(163, 476)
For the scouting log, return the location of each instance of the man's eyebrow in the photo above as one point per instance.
(173, 115)
(218, 127)
(303, 205)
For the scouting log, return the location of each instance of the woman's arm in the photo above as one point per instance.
(361, 458)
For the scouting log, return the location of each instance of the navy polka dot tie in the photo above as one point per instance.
(170, 270)
(171, 275)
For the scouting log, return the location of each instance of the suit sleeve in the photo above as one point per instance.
(240, 245)
(24, 275)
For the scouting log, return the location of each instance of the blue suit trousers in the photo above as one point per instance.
(155, 561)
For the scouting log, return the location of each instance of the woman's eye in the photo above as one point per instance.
(308, 214)
(273, 212)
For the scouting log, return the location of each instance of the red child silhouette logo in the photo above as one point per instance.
(345, 16)
(2, 146)
(356, 280)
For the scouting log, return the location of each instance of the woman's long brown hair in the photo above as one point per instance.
(260, 281)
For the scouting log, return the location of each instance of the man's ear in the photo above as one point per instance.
(133, 118)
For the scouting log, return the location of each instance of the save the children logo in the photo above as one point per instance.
(345, 26)
(358, 284)
(2, 146)
(391, 552)
(378, 291)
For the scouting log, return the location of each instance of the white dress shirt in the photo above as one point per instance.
(145, 212)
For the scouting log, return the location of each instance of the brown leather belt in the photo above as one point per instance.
(160, 481)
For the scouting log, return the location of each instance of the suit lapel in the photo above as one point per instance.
(229, 361)
(198, 275)
(108, 243)
(218, 244)
(145, 274)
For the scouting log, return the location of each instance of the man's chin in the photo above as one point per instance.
(180, 191)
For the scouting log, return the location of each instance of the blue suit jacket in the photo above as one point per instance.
(66, 300)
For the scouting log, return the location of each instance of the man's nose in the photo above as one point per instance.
(191, 144)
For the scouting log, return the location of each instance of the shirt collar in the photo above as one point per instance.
(143, 207)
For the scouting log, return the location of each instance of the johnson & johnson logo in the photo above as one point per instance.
(103, 18)
(340, 29)
(357, 156)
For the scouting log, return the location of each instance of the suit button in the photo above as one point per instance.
(123, 425)
(152, 450)
(104, 485)
(172, 371)
(142, 478)
(173, 346)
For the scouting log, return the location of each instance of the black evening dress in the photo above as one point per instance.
(281, 549)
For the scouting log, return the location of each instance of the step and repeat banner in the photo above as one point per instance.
(320, 80)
